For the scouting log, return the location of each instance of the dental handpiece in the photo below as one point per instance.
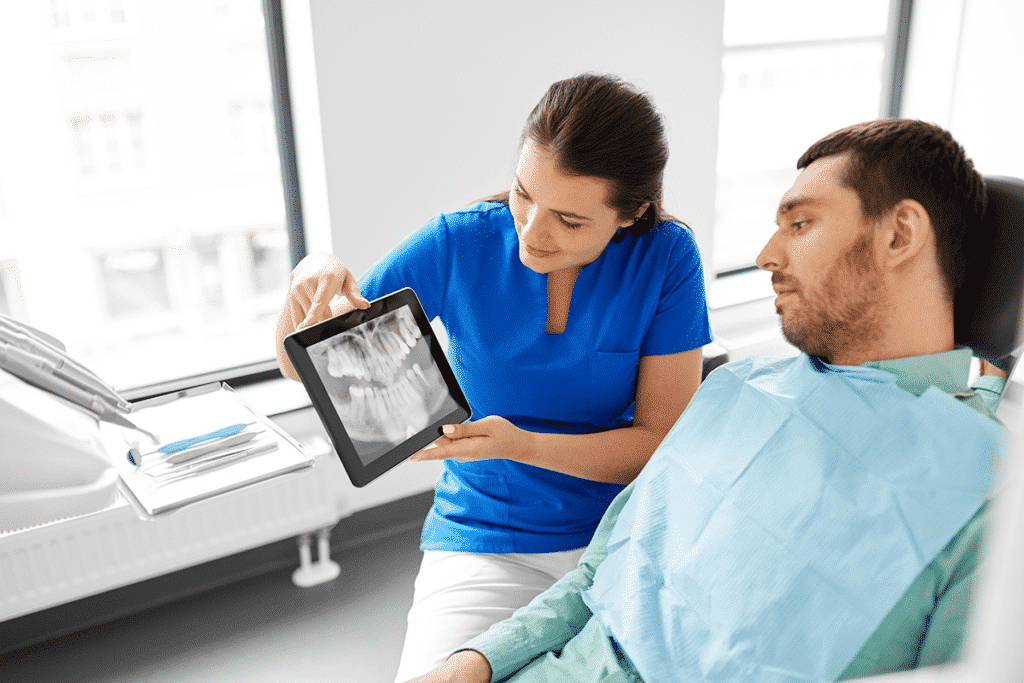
(35, 371)
(56, 362)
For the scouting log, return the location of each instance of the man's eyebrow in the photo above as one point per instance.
(568, 214)
(792, 204)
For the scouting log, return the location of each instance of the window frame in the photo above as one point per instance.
(896, 56)
(268, 370)
(262, 371)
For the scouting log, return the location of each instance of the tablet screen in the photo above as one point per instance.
(383, 382)
(380, 382)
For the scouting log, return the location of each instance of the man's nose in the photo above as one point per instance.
(772, 255)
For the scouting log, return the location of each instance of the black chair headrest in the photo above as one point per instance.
(987, 307)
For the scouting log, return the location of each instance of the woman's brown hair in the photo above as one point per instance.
(603, 127)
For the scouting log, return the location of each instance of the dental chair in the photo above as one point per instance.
(987, 317)
(712, 355)
(987, 305)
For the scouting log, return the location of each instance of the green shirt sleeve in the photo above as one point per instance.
(555, 616)
(990, 388)
(927, 625)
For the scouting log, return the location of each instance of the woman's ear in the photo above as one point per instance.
(641, 211)
(906, 231)
(638, 214)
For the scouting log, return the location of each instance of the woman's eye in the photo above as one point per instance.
(569, 225)
(800, 224)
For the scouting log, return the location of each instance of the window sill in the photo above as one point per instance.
(260, 384)
(741, 288)
(275, 396)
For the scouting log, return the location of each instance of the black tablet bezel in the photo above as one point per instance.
(296, 345)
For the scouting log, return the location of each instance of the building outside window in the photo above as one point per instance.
(268, 252)
(134, 283)
(252, 127)
(138, 242)
(110, 144)
(85, 17)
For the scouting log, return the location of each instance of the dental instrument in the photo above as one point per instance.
(34, 370)
(56, 361)
(162, 470)
(198, 451)
(182, 446)
(215, 461)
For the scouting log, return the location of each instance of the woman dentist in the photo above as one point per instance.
(576, 314)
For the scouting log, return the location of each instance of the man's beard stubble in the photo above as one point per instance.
(847, 314)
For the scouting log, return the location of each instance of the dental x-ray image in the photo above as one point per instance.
(382, 381)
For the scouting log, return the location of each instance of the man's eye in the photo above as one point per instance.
(567, 224)
(800, 225)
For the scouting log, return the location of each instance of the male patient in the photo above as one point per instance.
(810, 518)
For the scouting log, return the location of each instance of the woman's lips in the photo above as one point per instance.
(538, 253)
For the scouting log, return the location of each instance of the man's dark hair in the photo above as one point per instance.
(896, 159)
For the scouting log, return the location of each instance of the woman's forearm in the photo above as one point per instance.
(615, 456)
(665, 385)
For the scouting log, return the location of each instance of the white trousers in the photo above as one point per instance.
(459, 595)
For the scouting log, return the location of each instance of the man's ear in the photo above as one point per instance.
(906, 231)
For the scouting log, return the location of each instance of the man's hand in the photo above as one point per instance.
(989, 369)
(465, 666)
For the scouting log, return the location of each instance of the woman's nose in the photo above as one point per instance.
(532, 224)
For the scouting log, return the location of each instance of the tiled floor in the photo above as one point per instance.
(261, 629)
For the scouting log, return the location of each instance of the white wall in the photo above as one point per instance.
(419, 106)
(422, 103)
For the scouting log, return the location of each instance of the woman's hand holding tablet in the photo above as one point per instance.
(490, 437)
(380, 382)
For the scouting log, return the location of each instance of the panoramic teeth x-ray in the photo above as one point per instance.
(383, 381)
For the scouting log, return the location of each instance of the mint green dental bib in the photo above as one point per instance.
(783, 517)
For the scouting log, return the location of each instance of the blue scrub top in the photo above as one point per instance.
(643, 296)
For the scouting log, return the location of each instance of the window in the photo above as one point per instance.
(239, 12)
(134, 283)
(138, 242)
(11, 301)
(109, 146)
(793, 71)
(964, 71)
(88, 18)
(252, 127)
(268, 254)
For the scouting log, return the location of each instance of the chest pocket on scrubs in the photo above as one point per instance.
(611, 383)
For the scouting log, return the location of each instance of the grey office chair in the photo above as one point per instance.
(987, 306)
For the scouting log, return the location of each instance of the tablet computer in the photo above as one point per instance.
(379, 381)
